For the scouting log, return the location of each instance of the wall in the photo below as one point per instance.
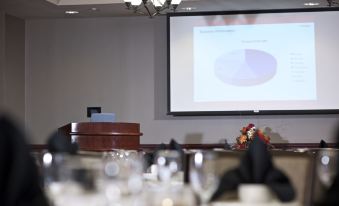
(12, 68)
(2, 57)
(120, 65)
(15, 67)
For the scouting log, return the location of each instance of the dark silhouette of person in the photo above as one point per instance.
(20, 183)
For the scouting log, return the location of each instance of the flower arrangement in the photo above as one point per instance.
(248, 134)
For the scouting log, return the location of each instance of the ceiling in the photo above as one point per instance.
(28, 9)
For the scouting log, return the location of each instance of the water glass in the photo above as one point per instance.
(70, 180)
(327, 166)
(122, 180)
(203, 177)
(169, 163)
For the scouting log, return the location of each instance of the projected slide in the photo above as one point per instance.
(267, 62)
(245, 67)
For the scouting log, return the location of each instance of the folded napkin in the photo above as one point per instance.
(256, 167)
(323, 144)
(19, 179)
(59, 143)
(174, 145)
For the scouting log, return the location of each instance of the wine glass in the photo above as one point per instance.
(54, 175)
(168, 164)
(203, 177)
(327, 165)
(122, 175)
(70, 179)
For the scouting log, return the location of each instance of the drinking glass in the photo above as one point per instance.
(168, 164)
(122, 176)
(69, 179)
(203, 177)
(327, 166)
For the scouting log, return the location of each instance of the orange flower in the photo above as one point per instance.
(248, 133)
(242, 139)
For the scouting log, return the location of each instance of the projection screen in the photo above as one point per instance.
(253, 62)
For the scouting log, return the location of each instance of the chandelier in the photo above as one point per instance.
(151, 7)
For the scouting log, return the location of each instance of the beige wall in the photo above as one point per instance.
(12, 68)
(2, 57)
(120, 65)
(15, 67)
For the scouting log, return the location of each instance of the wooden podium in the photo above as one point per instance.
(103, 136)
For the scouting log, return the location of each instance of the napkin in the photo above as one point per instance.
(59, 143)
(19, 179)
(323, 144)
(256, 167)
(174, 145)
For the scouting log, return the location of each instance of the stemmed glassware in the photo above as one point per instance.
(69, 180)
(122, 176)
(169, 190)
(327, 166)
(168, 164)
(113, 179)
(203, 177)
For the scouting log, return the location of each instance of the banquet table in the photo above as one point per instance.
(238, 203)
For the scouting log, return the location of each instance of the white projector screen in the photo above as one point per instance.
(253, 62)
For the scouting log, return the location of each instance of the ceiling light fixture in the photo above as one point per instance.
(151, 7)
(71, 12)
(311, 4)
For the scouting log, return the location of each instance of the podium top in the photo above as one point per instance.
(101, 128)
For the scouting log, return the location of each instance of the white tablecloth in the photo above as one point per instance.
(253, 204)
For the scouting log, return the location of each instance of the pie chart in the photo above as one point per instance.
(245, 67)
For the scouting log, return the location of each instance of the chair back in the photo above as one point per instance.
(299, 168)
